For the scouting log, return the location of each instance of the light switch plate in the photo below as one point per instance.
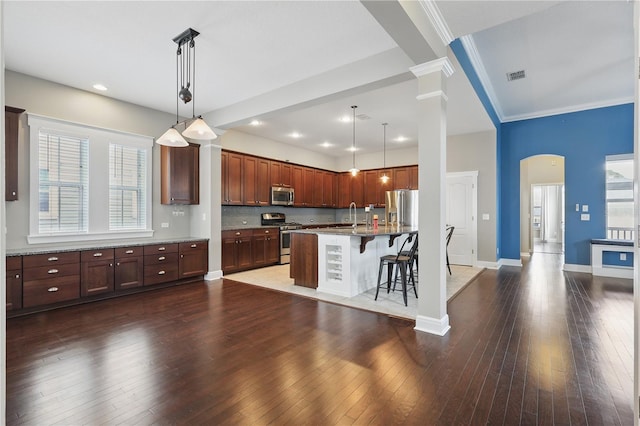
(577, 207)
(585, 208)
(485, 216)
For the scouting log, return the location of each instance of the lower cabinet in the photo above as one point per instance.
(50, 278)
(244, 249)
(160, 263)
(129, 269)
(97, 272)
(14, 282)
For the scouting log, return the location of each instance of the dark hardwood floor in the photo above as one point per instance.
(530, 346)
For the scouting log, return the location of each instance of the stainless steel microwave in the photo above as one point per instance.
(281, 196)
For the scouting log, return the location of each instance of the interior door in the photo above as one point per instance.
(461, 214)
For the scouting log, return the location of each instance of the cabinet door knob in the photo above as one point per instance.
(52, 289)
(97, 254)
(110, 265)
(52, 259)
(52, 271)
(182, 256)
(118, 264)
(17, 275)
(13, 193)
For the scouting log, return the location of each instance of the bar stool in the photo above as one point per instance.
(403, 263)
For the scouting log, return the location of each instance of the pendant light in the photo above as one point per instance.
(384, 178)
(354, 171)
(185, 83)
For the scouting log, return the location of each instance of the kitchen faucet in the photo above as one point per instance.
(355, 223)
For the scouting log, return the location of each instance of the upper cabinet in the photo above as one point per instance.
(256, 181)
(231, 178)
(405, 178)
(280, 174)
(374, 188)
(180, 174)
(11, 125)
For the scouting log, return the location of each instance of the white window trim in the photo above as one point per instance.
(99, 138)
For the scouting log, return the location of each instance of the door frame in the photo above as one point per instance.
(473, 175)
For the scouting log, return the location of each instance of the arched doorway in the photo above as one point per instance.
(542, 204)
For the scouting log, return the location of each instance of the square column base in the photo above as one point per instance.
(430, 325)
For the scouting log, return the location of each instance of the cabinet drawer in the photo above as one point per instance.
(237, 233)
(129, 252)
(160, 248)
(270, 231)
(158, 259)
(156, 274)
(44, 292)
(14, 262)
(192, 246)
(51, 271)
(91, 255)
(50, 259)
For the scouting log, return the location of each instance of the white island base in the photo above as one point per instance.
(343, 270)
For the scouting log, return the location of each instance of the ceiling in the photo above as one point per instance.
(299, 66)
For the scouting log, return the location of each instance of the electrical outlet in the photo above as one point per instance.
(585, 217)
(164, 224)
(623, 256)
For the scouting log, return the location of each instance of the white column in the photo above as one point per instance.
(432, 143)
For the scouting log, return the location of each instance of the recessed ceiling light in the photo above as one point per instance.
(352, 149)
(295, 135)
(100, 87)
(345, 119)
(326, 144)
(401, 139)
(255, 122)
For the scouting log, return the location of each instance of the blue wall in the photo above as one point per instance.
(584, 139)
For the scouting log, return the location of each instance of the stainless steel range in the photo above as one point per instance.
(280, 220)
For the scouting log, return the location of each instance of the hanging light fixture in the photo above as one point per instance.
(354, 171)
(384, 178)
(185, 83)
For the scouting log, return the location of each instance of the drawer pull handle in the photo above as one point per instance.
(194, 245)
(52, 259)
(161, 273)
(266, 232)
(97, 254)
(52, 271)
(237, 233)
(162, 258)
(161, 248)
(52, 289)
(118, 264)
(128, 252)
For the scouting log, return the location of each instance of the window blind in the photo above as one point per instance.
(127, 187)
(62, 186)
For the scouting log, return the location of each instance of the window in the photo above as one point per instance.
(619, 194)
(127, 187)
(80, 195)
(62, 185)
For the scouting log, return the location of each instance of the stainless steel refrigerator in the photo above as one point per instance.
(401, 207)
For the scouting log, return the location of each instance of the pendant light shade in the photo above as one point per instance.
(354, 170)
(172, 138)
(384, 178)
(199, 130)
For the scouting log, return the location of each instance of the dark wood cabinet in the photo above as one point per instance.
(374, 188)
(236, 250)
(297, 183)
(256, 181)
(11, 127)
(194, 259)
(50, 278)
(97, 272)
(405, 178)
(357, 189)
(280, 173)
(329, 194)
(129, 268)
(160, 263)
(231, 169)
(304, 260)
(14, 283)
(265, 247)
(180, 174)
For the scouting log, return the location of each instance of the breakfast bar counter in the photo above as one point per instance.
(343, 261)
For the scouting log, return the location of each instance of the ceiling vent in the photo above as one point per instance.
(363, 117)
(517, 75)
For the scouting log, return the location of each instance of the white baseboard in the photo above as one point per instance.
(213, 275)
(488, 265)
(614, 272)
(576, 268)
(509, 262)
(430, 325)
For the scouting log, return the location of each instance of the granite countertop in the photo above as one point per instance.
(96, 246)
(240, 227)
(360, 231)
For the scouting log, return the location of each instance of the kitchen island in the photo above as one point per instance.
(343, 261)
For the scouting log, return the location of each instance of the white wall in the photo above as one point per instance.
(375, 160)
(58, 101)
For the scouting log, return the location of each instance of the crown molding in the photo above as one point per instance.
(440, 64)
(437, 21)
(476, 61)
(568, 110)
